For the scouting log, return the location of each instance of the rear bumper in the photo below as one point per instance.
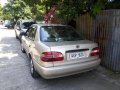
(60, 71)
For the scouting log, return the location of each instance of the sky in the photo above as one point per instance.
(2, 2)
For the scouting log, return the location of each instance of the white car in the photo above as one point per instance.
(57, 50)
(21, 27)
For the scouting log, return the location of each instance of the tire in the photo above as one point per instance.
(33, 72)
(16, 35)
(22, 49)
(20, 37)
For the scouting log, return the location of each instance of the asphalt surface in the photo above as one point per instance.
(15, 71)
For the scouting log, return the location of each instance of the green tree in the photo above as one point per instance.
(113, 4)
(69, 9)
(1, 11)
(35, 7)
(17, 9)
(40, 12)
(40, 7)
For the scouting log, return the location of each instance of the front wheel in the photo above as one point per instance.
(33, 71)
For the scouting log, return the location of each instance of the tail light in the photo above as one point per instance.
(95, 51)
(51, 56)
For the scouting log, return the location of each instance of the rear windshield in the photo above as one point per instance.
(25, 25)
(58, 33)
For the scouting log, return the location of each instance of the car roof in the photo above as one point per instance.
(27, 20)
(49, 25)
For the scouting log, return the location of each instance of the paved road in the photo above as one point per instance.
(15, 72)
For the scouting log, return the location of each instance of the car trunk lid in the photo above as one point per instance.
(73, 51)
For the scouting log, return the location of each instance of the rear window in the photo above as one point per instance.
(58, 33)
(25, 25)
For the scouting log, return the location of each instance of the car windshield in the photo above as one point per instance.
(25, 25)
(58, 33)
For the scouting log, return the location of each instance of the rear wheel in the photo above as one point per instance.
(20, 38)
(33, 71)
(22, 48)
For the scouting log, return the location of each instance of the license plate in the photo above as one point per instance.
(76, 55)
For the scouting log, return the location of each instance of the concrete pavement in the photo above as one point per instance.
(15, 72)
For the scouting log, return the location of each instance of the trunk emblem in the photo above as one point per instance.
(77, 46)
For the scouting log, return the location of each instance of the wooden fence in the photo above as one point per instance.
(105, 30)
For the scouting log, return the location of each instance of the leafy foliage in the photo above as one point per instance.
(114, 4)
(17, 9)
(74, 8)
(68, 9)
(98, 6)
(36, 7)
(0, 11)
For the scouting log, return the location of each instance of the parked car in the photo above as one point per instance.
(57, 50)
(21, 26)
(8, 24)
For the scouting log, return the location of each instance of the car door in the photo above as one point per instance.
(28, 40)
(32, 43)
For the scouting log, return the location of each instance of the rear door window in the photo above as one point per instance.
(31, 32)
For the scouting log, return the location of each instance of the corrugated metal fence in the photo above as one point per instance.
(105, 30)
